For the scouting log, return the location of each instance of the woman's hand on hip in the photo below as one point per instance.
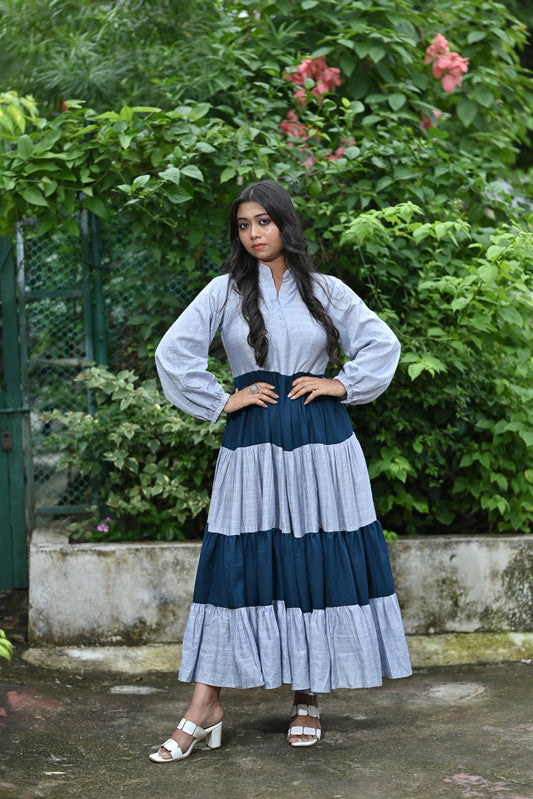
(262, 394)
(316, 387)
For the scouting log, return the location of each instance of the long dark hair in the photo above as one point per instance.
(244, 271)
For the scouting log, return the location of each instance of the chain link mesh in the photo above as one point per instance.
(56, 352)
(143, 291)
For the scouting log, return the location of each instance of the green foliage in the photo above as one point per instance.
(154, 464)
(6, 647)
(449, 443)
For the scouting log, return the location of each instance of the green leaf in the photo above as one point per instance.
(96, 206)
(33, 196)
(172, 173)
(72, 226)
(527, 437)
(483, 95)
(511, 315)
(24, 147)
(466, 111)
(396, 101)
(178, 195)
(488, 273)
(376, 53)
(227, 174)
(204, 147)
(494, 252)
(415, 369)
(17, 115)
(146, 109)
(475, 36)
(192, 172)
(141, 180)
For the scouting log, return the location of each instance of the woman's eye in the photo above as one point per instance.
(264, 221)
(243, 225)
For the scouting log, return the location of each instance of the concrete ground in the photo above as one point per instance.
(85, 730)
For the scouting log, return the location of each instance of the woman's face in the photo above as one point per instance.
(258, 233)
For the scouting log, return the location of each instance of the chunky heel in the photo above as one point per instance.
(214, 739)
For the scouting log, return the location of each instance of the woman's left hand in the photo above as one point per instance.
(316, 387)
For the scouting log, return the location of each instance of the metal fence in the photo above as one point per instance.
(81, 301)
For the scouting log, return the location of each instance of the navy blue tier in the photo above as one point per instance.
(320, 570)
(290, 423)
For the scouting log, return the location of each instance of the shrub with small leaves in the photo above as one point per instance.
(154, 464)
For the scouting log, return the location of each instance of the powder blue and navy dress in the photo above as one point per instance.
(294, 582)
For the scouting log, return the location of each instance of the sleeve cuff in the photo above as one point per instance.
(219, 407)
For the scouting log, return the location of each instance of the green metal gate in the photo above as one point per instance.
(74, 292)
(62, 330)
(13, 432)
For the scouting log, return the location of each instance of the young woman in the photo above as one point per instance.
(294, 582)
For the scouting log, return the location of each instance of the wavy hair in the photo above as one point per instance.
(244, 271)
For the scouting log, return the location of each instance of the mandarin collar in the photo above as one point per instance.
(266, 276)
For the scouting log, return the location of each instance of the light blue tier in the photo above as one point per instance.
(266, 646)
(290, 466)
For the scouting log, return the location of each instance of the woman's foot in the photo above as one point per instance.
(305, 722)
(205, 711)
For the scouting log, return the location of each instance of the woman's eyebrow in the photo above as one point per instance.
(255, 217)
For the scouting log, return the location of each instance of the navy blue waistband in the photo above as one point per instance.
(319, 570)
(288, 424)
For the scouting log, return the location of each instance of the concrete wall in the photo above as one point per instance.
(461, 584)
(140, 593)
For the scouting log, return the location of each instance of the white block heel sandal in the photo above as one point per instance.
(304, 710)
(212, 735)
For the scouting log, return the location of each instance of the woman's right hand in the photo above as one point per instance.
(262, 394)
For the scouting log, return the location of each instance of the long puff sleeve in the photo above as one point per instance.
(181, 356)
(369, 343)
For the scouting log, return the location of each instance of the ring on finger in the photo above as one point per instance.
(254, 389)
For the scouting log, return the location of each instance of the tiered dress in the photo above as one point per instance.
(294, 582)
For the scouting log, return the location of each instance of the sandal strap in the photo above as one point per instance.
(305, 731)
(190, 728)
(305, 710)
(171, 745)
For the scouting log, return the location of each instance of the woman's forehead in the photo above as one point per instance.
(250, 210)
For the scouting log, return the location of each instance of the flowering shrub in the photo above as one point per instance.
(449, 446)
(448, 67)
(324, 80)
(293, 128)
(430, 122)
(317, 71)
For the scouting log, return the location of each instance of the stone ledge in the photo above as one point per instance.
(139, 593)
(426, 651)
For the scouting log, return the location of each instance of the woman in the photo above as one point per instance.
(294, 582)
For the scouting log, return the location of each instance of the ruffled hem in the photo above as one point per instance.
(267, 646)
(315, 487)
